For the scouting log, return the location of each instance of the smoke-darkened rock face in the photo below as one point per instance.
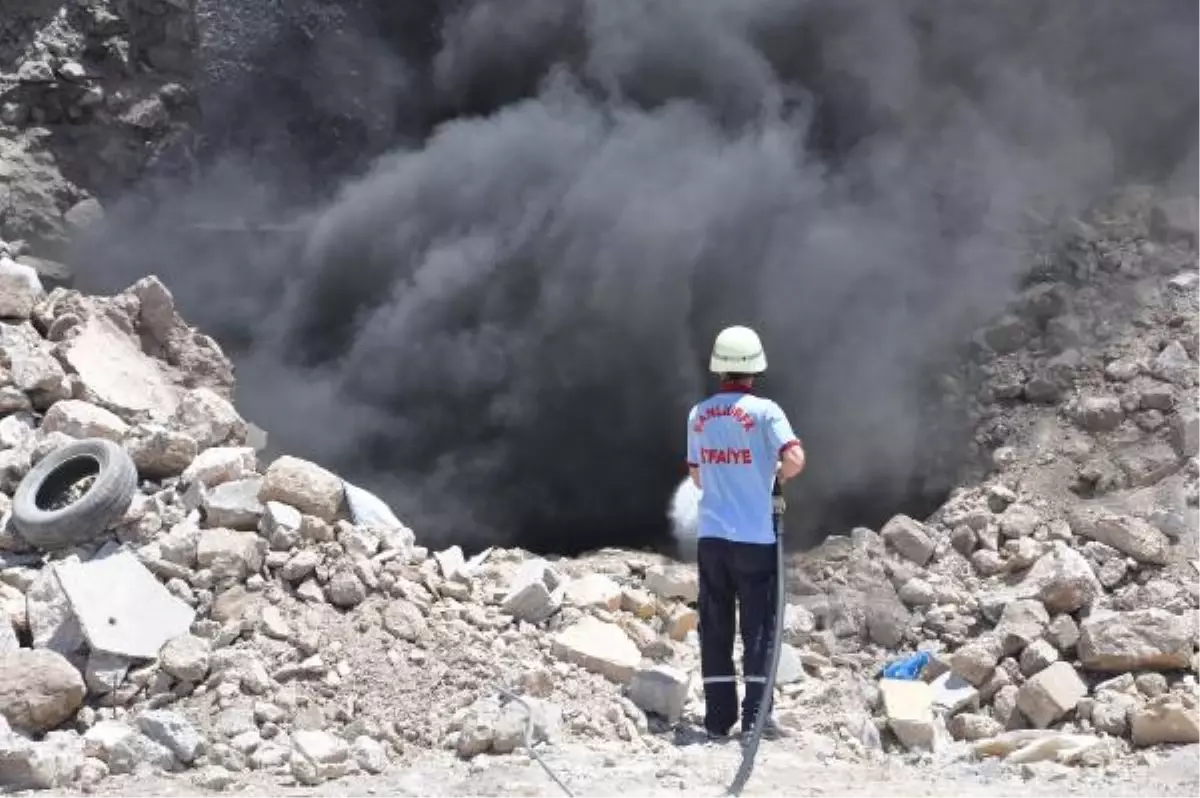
(520, 223)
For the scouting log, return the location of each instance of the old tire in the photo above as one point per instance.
(86, 518)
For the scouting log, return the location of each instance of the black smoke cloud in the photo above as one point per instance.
(516, 226)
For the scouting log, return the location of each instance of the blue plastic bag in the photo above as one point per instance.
(908, 669)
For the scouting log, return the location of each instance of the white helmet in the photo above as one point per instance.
(737, 350)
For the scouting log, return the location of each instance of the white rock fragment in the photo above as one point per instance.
(673, 582)
(600, 647)
(20, 289)
(660, 689)
(908, 707)
(318, 756)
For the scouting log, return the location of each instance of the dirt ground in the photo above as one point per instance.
(788, 767)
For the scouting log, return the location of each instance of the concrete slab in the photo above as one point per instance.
(122, 608)
(116, 373)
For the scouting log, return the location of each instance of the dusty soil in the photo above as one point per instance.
(791, 766)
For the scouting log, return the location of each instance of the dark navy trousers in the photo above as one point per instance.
(736, 579)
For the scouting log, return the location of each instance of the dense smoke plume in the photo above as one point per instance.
(519, 223)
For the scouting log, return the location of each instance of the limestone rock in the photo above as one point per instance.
(673, 582)
(318, 756)
(593, 590)
(209, 419)
(909, 538)
(51, 763)
(1021, 622)
(230, 554)
(600, 647)
(52, 622)
(1061, 579)
(1125, 533)
(1165, 720)
(159, 452)
(39, 689)
(306, 486)
(1147, 639)
(234, 504)
(20, 289)
(186, 658)
(81, 419)
(173, 731)
(1050, 694)
(660, 689)
(222, 464)
(530, 596)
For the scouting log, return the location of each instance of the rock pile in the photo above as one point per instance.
(272, 617)
(1061, 592)
(260, 622)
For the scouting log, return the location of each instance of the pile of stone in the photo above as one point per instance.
(261, 623)
(1061, 592)
(274, 618)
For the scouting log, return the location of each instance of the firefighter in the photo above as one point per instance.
(738, 444)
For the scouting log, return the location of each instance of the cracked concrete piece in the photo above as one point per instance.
(121, 607)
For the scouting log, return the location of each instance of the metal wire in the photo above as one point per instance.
(529, 738)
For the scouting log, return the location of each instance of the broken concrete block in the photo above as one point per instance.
(121, 607)
(210, 420)
(637, 602)
(1050, 694)
(600, 647)
(173, 731)
(105, 672)
(908, 707)
(115, 373)
(1038, 655)
(791, 667)
(185, 657)
(683, 619)
(660, 689)
(969, 726)
(529, 596)
(1061, 579)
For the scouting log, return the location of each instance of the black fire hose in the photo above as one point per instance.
(778, 505)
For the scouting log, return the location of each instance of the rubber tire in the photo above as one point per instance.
(91, 514)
